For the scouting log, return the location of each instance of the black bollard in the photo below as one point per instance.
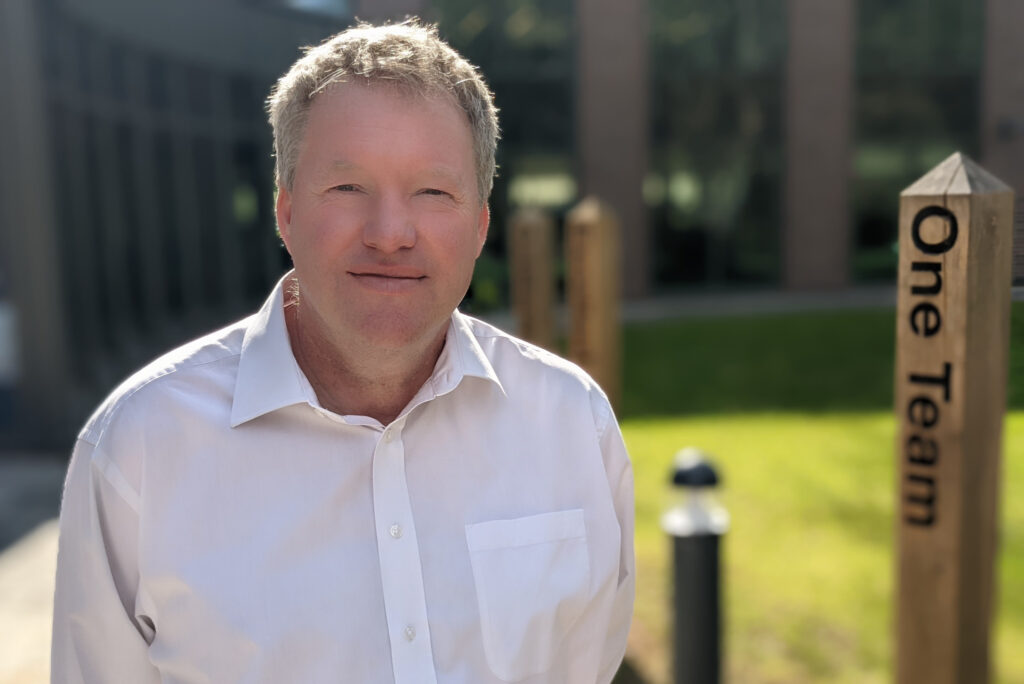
(696, 522)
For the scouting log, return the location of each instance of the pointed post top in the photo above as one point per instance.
(958, 174)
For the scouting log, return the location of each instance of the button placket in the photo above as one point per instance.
(401, 571)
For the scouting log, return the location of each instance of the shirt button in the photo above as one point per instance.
(395, 531)
(410, 633)
(389, 436)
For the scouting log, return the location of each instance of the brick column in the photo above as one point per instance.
(1002, 121)
(612, 121)
(819, 83)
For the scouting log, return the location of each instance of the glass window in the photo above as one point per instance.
(917, 101)
(525, 49)
(715, 183)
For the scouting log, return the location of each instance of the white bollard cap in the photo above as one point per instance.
(698, 512)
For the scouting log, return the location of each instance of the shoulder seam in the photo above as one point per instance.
(120, 401)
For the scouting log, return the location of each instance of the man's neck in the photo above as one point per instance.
(359, 379)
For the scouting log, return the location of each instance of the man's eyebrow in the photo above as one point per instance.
(330, 171)
(436, 172)
(444, 173)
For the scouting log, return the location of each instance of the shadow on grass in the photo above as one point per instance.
(806, 362)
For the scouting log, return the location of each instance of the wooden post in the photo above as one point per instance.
(532, 275)
(953, 323)
(593, 292)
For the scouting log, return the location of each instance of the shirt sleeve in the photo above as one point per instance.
(97, 637)
(620, 479)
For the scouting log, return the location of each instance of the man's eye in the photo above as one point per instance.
(435, 191)
(347, 187)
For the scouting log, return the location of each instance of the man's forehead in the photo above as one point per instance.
(428, 170)
(411, 93)
(347, 96)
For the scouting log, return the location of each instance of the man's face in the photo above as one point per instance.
(384, 221)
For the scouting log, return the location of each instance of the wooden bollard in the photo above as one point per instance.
(532, 275)
(953, 323)
(593, 291)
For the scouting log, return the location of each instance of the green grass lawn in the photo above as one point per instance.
(797, 411)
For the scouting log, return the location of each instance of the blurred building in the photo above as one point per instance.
(744, 144)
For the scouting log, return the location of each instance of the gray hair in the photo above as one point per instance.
(410, 56)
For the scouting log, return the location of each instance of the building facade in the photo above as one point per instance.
(742, 145)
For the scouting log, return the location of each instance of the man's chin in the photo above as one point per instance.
(400, 331)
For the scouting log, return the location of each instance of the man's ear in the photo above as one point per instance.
(283, 211)
(483, 223)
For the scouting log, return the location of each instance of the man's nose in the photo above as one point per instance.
(390, 226)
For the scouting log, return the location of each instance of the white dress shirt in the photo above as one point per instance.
(218, 525)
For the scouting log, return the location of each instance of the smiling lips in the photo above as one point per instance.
(388, 280)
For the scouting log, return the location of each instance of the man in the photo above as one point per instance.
(357, 483)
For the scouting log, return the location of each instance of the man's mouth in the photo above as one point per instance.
(398, 272)
(392, 280)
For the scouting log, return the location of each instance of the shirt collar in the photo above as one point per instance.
(269, 378)
(463, 354)
(268, 375)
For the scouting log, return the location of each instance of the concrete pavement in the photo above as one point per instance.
(30, 486)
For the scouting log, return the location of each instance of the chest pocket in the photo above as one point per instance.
(532, 579)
